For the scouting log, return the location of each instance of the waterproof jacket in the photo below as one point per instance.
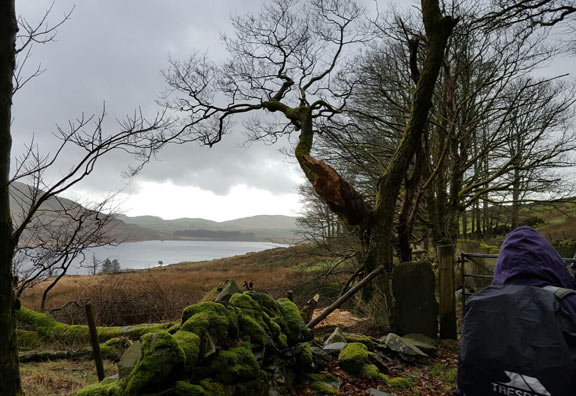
(526, 258)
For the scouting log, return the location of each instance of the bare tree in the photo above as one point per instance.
(56, 237)
(94, 264)
(317, 223)
(529, 12)
(465, 159)
(85, 133)
(283, 60)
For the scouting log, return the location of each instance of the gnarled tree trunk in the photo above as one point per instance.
(9, 372)
(376, 226)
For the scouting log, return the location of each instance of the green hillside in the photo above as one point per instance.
(262, 228)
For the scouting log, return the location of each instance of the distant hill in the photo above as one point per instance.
(168, 226)
(20, 194)
(275, 228)
(118, 230)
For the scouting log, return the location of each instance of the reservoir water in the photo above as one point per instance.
(148, 254)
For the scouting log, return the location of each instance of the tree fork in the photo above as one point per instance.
(438, 29)
(340, 196)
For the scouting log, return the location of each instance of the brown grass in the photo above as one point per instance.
(65, 377)
(159, 294)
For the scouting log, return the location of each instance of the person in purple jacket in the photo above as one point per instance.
(527, 258)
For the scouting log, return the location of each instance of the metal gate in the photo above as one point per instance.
(488, 270)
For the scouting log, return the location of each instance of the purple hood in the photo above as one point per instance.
(527, 258)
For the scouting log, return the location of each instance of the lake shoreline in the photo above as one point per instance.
(143, 255)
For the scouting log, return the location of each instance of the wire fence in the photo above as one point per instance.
(482, 274)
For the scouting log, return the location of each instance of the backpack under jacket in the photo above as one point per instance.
(517, 341)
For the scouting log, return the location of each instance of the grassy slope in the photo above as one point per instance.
(559, 219)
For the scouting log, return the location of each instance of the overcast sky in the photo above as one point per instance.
(113, 52)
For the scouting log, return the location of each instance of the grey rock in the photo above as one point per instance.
(378, 359)
(273, 392)
(335, 384)
(335, 348)
(158, 350)
(320, 357)
(425, 343)
(416, 309)
(129, 359)
(336, 336)
(226, 290)
(404, 348)
(259, 354)
(207, 346)
(128, 329)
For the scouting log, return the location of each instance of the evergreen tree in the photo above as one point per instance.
(107, 267)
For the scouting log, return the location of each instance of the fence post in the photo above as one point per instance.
(463, 268)
(94, 341)
(447, 300)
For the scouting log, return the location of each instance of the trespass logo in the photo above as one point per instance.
(520, 385)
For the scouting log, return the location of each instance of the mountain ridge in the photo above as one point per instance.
(277, 228)
(273, 228)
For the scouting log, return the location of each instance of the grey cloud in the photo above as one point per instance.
(219, 168)
(113, 52)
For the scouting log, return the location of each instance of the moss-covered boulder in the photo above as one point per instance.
(267, 304)
(161, 363)
(108, 387)
(114, 348)
(353, 358)
(48, 329)
(27, 340)
(371, 371)
(251, 345)
(368, 341)
(226, 290)
(185, 388)
(235, 365)
(295, 328)
(397, 382)
(212, 318)
(216, 389)
(319, 388)
(251, 321)
(206, 387)
(190, 344)
(324, 384)
(304, 358)
(256, 387)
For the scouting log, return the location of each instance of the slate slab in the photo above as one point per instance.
(129, 359)
(416, 309)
